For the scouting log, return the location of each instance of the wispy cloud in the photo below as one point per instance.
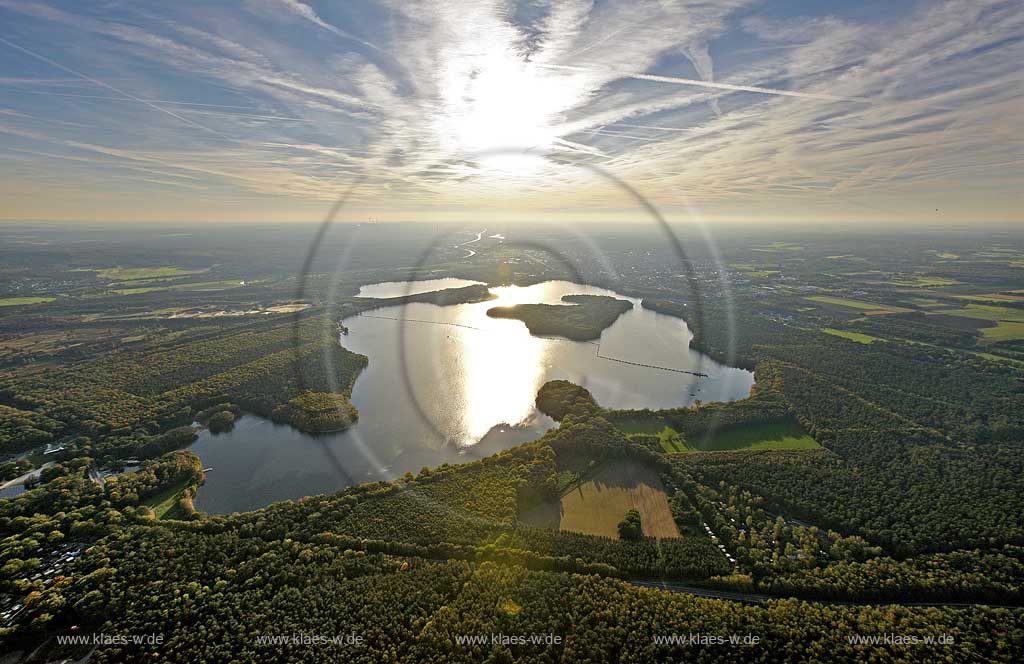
(469, 102)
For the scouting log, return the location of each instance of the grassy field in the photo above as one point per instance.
(787, 435)
(165, 503)
(1003, 331)
(988, 313)
(669, 438)
(991, 297)
(926, 302)
(765, 436)
(18, 301)
(1000, 358)
(779, 246)
(852, 336)
(598, 505)
(195, 286)
(867, 307)
(924, 282)
(135, 273)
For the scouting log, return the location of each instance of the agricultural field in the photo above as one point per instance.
(988, 312)
(760, 274)
(19, 301)
(140, 273)
(779, 246)
(995, 323)
(924, 282)
(991, 297)
(191, 286)
(1004, 331)
(852, 336)
(598, 505)
(869, 308)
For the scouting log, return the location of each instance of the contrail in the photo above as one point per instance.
(96, 81)
(723, 86)
(307, 12)
(47, 93)
(640, 126)
(744, 88)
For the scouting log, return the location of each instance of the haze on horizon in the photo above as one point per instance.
(270, 110)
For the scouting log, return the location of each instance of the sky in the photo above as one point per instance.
(275, 110)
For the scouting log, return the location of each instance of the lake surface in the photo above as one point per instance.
(400, 288)
(450, 384)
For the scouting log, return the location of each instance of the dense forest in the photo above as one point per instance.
(218, 596)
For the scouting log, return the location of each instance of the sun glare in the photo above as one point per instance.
(497, 109)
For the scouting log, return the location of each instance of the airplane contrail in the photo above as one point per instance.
(307, 12)
(722, 86)
(96, 81)
(744, 88)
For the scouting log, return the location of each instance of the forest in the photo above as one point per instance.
(582, 319)
(216, 594)
(915, 494)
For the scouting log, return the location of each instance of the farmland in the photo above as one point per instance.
(1002, 323)
(191, 286)
(596, 506)
(19, 301)
(870, 308)
(140, 273)
(852, 336)
(988, 312)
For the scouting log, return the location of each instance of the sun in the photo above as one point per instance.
(497, 108)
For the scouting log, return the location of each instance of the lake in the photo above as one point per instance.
(450, 384)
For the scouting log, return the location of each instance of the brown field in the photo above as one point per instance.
(596, 506)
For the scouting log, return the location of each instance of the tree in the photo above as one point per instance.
(630, 527)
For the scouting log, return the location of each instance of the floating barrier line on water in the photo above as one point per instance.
(431, 322)
(649, 366)
(592, 343)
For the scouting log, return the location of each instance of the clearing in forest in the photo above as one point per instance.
(852, 336)
(598, 505)
(668, 438)
(784, 435)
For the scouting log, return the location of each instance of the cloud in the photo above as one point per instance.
(691, 102)
(306, 12)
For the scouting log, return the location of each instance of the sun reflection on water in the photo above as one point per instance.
(470, 373)
(498, 368)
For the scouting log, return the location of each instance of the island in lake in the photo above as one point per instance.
(583, 319)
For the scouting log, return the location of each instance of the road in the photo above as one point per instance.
(30, 475)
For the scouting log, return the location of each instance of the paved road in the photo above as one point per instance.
(30, 475)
